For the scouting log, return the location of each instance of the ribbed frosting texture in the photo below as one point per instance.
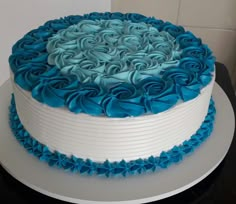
(107, 168)
(101, 138)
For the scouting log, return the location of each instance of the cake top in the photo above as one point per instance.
(109, 52)
(111, 64)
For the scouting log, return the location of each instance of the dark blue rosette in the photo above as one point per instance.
(52, 90)
(42, 32)
(57, 24)
(159, 95)
(19, 58)
(201, 52)
(156, 23)
(135, 17)
(95, 16)
(123, 100)
(73, 19)
(86, 99)
(202, 68)
(186, 82)
(29, 43)
(187, 39)
(192, 64)
(172, 29)
(117, 15)
(27, 75)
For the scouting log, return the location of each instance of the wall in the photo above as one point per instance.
(18, 17)
(212, 20)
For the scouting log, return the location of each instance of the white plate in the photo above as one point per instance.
(134, 189)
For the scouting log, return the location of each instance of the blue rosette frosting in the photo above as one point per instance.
(122, 101)
(108, 50)
(110, 169)
(86, 99)
(173, 29)
(52, 90)
(159, 95)
(186, 82)
(28, 75)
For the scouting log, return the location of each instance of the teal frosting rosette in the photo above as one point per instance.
(159, 94)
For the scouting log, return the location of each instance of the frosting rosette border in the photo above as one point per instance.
(29, 64)
(110, 169)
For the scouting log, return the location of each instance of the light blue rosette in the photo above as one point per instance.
(115, 25)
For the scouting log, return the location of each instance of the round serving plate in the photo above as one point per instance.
(133, 189)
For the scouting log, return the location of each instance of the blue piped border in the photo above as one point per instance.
(110, 169)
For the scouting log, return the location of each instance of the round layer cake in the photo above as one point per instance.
(111, 93)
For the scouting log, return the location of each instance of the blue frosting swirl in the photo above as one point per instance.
(106, 50)
(156, 23)
(173, 29)
(52, 90)
(86, 99)
(159, 94)
(122, 101)
(28, 75)
(107, 168)
(21, 57)
(188, 39)
(186, 82)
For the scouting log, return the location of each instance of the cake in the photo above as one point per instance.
(111, 94)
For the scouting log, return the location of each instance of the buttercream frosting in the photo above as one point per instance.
(109, 49)
(111, 93)
(107, 168)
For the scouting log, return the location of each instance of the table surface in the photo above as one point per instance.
(218, 187)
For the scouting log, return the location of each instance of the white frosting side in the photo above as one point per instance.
(101, 138)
